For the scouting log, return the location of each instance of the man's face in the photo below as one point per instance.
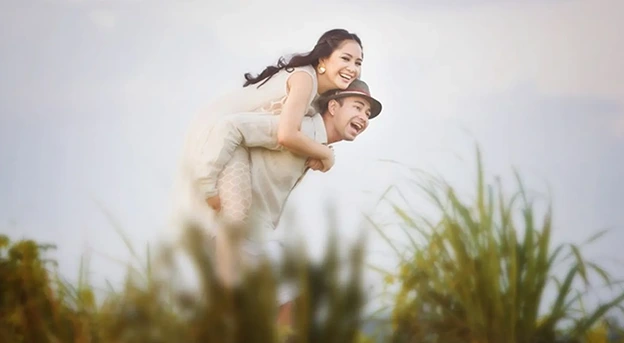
(350, 119)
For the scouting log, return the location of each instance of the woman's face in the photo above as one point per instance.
(344, 65)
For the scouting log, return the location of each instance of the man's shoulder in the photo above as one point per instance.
(320, 127)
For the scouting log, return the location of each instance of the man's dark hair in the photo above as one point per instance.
(325, 106)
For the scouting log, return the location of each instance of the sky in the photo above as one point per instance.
(95, 97)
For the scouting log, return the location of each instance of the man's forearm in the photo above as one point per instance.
(252, 130)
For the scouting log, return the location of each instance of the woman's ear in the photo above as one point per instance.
(321, 68)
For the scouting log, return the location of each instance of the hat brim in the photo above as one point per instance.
(376, 106)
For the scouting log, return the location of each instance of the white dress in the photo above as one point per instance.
(233, 184)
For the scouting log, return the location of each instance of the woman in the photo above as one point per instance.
(288, 89)
(222, 179)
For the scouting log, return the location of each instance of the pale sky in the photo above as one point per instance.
(95, 97)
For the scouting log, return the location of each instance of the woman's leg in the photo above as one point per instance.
(234, 187)
(232, 249)
(257, 130)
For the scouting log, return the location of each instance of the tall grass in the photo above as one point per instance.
(37, 307)
(481, 269)
(476, 274)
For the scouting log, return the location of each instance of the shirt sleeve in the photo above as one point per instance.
(251, 130)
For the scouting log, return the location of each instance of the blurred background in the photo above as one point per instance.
(95, 97)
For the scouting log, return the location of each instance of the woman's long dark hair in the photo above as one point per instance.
(324, 47)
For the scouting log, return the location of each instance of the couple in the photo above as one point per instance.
(245, 153)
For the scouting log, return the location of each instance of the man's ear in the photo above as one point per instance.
(332, 106)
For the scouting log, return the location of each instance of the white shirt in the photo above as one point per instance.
(275, 171)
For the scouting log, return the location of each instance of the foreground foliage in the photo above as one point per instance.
(478, 273)
(38, 307)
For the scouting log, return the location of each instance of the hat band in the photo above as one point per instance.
(353, 91)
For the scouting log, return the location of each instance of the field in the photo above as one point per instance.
(475, 273)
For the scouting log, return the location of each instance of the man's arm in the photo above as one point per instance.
(251, 130)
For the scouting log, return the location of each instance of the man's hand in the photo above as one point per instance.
(214, 202)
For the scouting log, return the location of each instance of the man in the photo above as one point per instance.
(275, 172)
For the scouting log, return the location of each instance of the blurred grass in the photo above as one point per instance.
(478, 272)
(37, 306)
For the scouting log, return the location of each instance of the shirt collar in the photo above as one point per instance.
(320, 132)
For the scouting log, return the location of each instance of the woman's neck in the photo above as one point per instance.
(323, 84)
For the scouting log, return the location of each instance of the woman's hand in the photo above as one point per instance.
(314, 164)
(324, 164)
(328, 162)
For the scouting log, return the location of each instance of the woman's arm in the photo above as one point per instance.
(259, 130)
(289, 133)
